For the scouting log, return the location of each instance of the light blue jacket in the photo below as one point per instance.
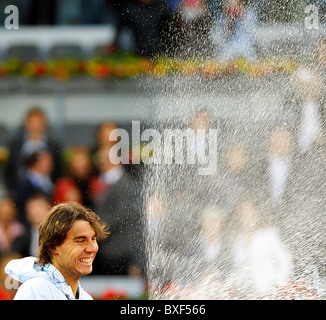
(41, 283)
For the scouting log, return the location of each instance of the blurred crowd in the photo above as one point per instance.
(52, 12)
(260, 218)
(40, 174)
(256, 228)
(262, 213)
(150, 27)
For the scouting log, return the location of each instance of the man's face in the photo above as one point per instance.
(75, 256)
(35, 124)
(36, 210)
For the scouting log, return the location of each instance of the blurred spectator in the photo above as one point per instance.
(233, 31)
(78, 183)
(303, 217)
(109, 173)
(214, 6)
(192, 10)
(195, 25)
(66, 190)
(103, 136)
(305, 99)
(261, 260)
(38, 12)
(280, 163)
(156, 212)
(69, 12)
(37, 179)
(10, 227)
(280, 11)
(170, 28)
(119, 207)
(94, 11)
(36, 208)
(32, 138)
(236, 180)
(205, 152)
(201, 120)
(212, 249)
(119, 8)
(307, 103)
(276, 169)
(186, 29)
(143, 18)
(91, 11)
(236, 159)
(79, 12)
(210, 237)
(212, 244)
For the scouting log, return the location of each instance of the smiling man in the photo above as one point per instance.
(67, 247)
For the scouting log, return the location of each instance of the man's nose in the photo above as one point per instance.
(92, 246)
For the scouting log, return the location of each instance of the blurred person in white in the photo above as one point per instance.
(305, 98)
(236, 180)
(155, 211)
(36, 208)
(279, 163)
(276, 168)
(159, 211)
(160, 242)
(262, 263)
(309, 104)
(209, 248)
(233, 31)
(211, 234)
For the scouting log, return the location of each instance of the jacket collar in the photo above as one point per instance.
(57, 278)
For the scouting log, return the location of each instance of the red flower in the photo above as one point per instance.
(114, 294)
(102, 71)
(39, 69)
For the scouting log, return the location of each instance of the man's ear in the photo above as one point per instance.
(54, 250)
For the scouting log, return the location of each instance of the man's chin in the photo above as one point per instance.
(85, 269)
